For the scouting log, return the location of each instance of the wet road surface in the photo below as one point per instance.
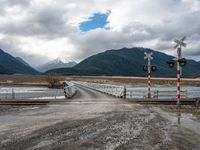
(93, 120)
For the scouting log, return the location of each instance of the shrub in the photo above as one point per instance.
(54, 80)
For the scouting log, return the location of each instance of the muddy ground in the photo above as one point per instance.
(141, 128)
(93, 120)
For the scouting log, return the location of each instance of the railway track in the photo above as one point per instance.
(186, 101)
(24, 102)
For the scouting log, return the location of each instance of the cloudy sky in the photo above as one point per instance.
(42, 30)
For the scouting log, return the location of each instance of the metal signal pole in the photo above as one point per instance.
(149, 58)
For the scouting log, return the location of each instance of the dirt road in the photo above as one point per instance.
(93, 120)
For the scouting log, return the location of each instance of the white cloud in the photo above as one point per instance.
(49, 29)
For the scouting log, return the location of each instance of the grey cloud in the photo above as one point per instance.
(100, 39)
(10, 3)
(192, 49)
(53, 21)
(9, 45)
(163, 45)
(17, 2)
(49, 22)
(34, 59)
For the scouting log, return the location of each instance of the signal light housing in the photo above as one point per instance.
(182, 62)
(153, 68)
(145, 68)
(171, 63)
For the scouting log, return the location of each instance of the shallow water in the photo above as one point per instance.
(186, 120)
(23, 89)
(29, 92)
(140, 92)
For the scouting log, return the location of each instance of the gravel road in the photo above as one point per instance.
(93, 120)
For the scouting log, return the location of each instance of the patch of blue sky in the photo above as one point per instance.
(98, 20)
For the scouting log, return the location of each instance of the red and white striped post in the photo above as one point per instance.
(178, 84)
(149, 58)
(178, 76)
(178, 46)
(149, 78)
(180, 62)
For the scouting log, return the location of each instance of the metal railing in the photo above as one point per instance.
(160, 94)
(154, 94)
(69, 89)
(114, 90)
(121, 91)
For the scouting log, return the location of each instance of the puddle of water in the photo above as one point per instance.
(185, 120)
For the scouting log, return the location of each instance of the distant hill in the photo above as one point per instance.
(3, 70)
(128, 62)
(12, 65)
(57, 63)
(22, 61)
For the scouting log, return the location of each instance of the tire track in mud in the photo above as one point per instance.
(139, 129)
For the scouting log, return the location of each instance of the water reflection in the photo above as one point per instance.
(179, 119)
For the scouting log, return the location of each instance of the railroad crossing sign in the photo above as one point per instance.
(148, 56)
(180, 43)
(181, 62)
(148, 68)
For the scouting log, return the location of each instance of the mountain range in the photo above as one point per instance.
(128, 62)
(121, 62)
(12, 65)
(57, 63)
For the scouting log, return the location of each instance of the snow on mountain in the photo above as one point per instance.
(57, 63)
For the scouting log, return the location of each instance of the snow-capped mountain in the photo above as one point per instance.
(57, 63)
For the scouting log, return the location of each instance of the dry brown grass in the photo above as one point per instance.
(33, 80)
(128, 81)
(138, 81)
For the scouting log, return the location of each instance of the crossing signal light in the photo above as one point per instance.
(145, 68)
(153, 68)
(182, 62)
(171, 63)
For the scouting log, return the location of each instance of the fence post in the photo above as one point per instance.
(124, 92)
(13, 94)
(157, 93)
(197, 103)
